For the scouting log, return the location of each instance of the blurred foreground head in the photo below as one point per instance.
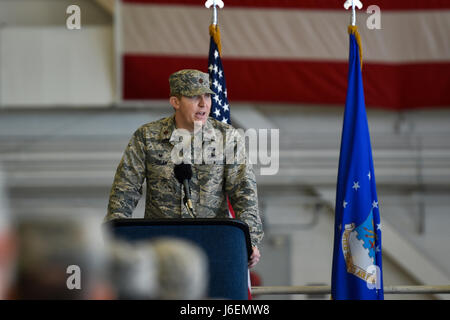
(165, 268)
(7, 249)
(132, 270)
(183, 270)
(58, 257)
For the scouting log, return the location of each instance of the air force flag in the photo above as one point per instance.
(357, 272)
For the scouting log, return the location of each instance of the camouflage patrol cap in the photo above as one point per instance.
(189, 83)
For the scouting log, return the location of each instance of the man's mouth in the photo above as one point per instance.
(200, 115)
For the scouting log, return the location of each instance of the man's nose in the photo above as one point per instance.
(202, 101)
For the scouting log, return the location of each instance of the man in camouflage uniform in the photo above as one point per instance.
(149, 157)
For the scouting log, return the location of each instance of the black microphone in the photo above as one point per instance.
(183, 173)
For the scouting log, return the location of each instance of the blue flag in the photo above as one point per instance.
(356, 272)
(220, 108)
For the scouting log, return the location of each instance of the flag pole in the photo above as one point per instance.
(214, 4)
(220, 105)
(353, 29)
(214, 28)
(353, 14)
(354, 4)
(214, 20)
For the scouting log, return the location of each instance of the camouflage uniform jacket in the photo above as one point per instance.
(148, 156)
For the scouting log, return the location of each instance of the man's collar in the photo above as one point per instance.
(167, 128)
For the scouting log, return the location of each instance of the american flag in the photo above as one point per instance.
(220, 108)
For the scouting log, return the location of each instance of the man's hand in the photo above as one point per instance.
(254, 258)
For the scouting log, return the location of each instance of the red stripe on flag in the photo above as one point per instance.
(407, 85)
(309, 4)
(230, 208)
(392, 86)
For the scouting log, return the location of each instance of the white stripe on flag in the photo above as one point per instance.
(406, 36)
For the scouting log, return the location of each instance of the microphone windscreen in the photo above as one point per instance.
(183, 171)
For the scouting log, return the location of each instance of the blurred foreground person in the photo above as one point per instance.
(132, 270)
(7, 248)
(59, 257)
(183, 270)
(164, 268)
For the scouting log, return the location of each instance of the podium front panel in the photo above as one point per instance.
(226, 243)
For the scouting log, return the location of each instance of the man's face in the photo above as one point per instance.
(191, 109)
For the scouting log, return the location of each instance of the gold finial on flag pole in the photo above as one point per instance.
(214, 4)
(353, 3)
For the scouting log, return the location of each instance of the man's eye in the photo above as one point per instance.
(207, 95)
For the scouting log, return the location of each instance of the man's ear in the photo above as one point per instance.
(175, 102)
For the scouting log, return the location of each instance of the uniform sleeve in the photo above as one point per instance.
(130, 175)
(240, 185)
